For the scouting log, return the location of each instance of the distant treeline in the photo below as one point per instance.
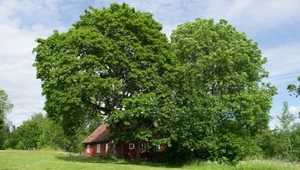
(41, 132)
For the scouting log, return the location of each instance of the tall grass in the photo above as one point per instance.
(268, 165)
(246, 165)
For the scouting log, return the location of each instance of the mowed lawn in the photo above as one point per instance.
(48, 159)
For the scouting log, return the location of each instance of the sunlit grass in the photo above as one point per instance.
(49, 159)
(268, 165)
(41, 159)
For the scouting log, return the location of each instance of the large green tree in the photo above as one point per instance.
(219, 98)
(111, 63)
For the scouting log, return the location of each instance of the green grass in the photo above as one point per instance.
(49, 159)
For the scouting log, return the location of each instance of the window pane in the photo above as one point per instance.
(144, 146)
(131, 145)
(106, 148)
(98, 148)
(157, 148)
(88, 148)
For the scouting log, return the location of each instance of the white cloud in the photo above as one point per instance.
(254, 14)
(283, 64)
(247, 15)
(21, 23)
(295, 110)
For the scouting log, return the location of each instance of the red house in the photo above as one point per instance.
(100, 144)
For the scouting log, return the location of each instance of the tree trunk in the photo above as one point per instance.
(290, 146)
(138, 152)
(113, 149)
(72, 144)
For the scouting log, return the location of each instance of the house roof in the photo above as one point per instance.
(100, 135)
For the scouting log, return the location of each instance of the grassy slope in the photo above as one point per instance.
(43, 159)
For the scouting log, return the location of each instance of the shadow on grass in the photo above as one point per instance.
(108, 160)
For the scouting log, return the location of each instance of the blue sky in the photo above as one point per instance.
(274, 24)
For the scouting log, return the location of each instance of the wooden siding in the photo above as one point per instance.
(125, 152)
(93, 150)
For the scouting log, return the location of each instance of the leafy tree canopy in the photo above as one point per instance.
(219, 94)
(224, 66)
(115, 62)
(109, 55)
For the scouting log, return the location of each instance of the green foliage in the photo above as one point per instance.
(4, 136)
(95, 68)
(295, 142)
(42, 132)
(219, 98)
(115, 64)
(285, 119)
(284, 147)
(10, 135)
(283, 142)
(30, 130)
(5, 107)
(20, 145)
(294, 89)
(267, 141)
(52, 135)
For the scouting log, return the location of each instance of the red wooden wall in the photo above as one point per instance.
(93, 150)
(125, 152)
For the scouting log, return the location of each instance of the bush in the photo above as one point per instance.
(20, 146)
(229, 149)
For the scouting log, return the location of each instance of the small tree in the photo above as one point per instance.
(5, 107)
(286, 119)
(30, 130)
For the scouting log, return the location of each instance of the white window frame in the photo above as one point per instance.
(98, 148)
(131, 146)
(88, 148)
(157, 148)
(106, 148)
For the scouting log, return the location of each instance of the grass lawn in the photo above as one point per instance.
(48, 159)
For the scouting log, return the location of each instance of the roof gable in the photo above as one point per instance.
(100, 135)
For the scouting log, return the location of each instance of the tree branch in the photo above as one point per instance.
(104, 110)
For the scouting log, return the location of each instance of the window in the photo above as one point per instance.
(106, 148)
(98, 148)
(157, 148)
(131, 145)
(144, 147)
(88, 149)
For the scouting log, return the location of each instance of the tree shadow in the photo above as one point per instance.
(108, 160)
